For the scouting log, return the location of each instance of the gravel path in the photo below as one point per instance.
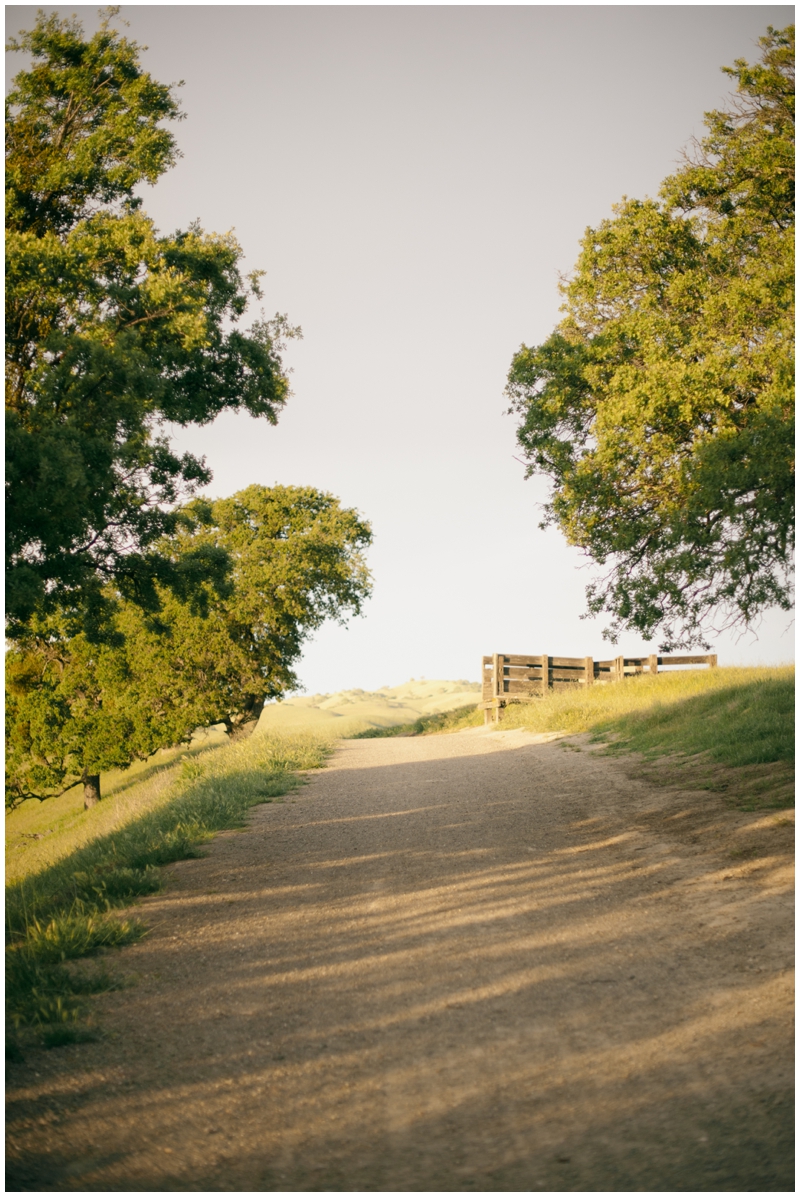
(469, 962)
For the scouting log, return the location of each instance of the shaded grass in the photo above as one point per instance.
(38, 833)
(749, 723)
(65, 910)
(441, 721)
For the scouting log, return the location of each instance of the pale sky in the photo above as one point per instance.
(413, 180)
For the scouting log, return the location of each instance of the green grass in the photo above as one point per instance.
(63, 908)
(750, 723)
(38, 833)
(740, 716)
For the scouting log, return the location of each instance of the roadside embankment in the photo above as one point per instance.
(62, 907)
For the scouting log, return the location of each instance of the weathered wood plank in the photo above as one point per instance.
(486, 678)
(685, 660)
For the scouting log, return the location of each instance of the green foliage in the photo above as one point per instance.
(64, 911)
(70, 936)
(662, 407)
(68, 715)
(297, 559)
(82, 126)
(39, 989)
(111, 329)
(75, 708)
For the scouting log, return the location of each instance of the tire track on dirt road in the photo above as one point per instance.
(459, 962)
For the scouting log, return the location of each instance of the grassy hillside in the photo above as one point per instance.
(60, 903)
(348, 712)
(737, 716)
(39, 832)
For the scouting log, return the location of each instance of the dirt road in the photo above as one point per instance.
(467, 962)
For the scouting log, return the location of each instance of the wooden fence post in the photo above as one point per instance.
(588, 665)
(653, 663)
(545, 675)
(712, 661)
(619, 668)
(496, 687)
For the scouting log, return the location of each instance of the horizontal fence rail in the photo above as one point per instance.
(510, 677)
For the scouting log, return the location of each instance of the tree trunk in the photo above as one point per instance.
(240, 731)
(239, 728)
(244, 722)
(91, 790)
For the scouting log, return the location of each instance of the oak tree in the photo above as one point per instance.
(297, 560)
(112, 331)
(662, 406)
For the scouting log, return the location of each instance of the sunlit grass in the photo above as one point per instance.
(740, 716)
(63, 908)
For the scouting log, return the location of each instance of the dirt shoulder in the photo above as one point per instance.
(465, 962)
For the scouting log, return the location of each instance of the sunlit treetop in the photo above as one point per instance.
(83, 125)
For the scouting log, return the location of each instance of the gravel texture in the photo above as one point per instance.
(480, 961)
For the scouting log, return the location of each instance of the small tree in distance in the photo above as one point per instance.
(297, 559)
(75, 708)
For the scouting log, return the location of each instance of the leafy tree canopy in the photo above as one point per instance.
(112, 329)
(662, 406)
(76, 708)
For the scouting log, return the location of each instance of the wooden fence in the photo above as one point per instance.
(511, 678)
